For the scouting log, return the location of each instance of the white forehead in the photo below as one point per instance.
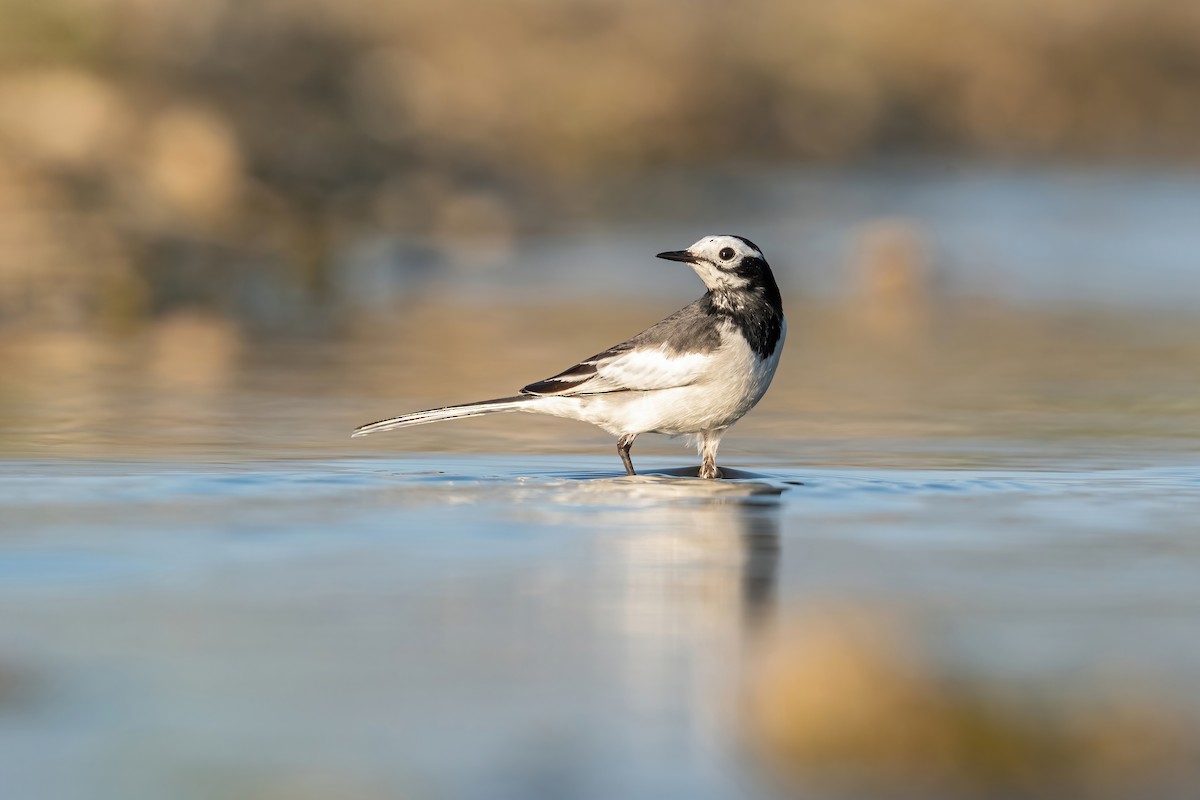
(715, 244)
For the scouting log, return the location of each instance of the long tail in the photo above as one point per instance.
(450, 412)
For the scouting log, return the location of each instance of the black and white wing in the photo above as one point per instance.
(675, 352)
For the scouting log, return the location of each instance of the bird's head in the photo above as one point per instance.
(725, 263)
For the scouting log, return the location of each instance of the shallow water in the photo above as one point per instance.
(207, 590)
(515, 626)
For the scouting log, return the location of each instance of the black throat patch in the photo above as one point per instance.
(756, 309)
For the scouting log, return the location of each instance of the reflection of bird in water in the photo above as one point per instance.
(697, 581)
(728, 548)
(760, 563)
(726, 533)
(681, 574)
(696, 372)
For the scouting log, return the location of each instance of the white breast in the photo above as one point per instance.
(743, 378)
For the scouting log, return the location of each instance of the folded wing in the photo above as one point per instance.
(625, 368)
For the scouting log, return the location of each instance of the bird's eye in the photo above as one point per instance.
(726, 253)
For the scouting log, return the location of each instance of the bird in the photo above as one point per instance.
(695, 373)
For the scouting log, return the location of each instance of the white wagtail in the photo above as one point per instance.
(696, 372)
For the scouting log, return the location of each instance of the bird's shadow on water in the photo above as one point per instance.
(686, 480)
(727, 473)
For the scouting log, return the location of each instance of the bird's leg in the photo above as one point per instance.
(623, 445)
(708, 453)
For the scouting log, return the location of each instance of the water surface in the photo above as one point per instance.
(973, 517)
(512, 626)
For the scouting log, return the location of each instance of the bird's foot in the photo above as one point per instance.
(709, 471)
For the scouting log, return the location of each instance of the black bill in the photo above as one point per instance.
(678, 255)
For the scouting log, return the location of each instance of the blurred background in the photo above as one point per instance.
(231, 232)
(288, 165)
(183, 183)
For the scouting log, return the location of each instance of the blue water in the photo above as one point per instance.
(483, 626)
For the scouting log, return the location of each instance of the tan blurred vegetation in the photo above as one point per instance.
(167, 154)
(844, 699)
